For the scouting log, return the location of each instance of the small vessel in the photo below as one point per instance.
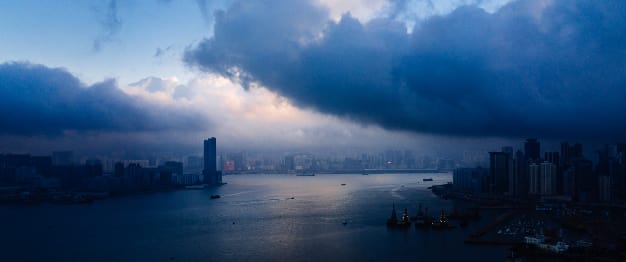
(427, 179)
(394, 222)
(442, 222)
(423, 219)
(215, 196)
(406, 221)
(393, 219)
(420, 218)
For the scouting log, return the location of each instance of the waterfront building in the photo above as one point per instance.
(532, 149)
(520, 175)
(547, 181)
(470, 180)
(604, 188)
(62, 158)
(500, 167)
(211, 176)
(533, 179)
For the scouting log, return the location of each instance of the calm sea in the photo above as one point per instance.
(258, 218)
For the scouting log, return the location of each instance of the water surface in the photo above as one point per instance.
(258, 217)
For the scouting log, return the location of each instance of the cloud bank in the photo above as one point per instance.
(532, 68)
(38, 100)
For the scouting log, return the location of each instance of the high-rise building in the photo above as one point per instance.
(520, 175)
(585, 180)
(547, 181)
(62, 158)
(210, 161)
(500, 167)
(533, 179)
(604, 188)
(532, 149)
(570, 153)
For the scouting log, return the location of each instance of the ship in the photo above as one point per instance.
(427, 179)
(420, 218)
(442, 222)
(405, 222)
(393, 221)
(305, 174)
(215, 196)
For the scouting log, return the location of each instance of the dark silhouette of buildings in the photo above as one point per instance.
(566, 174)
(500, 170)
(532, 149)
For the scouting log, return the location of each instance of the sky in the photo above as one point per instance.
(111, 76)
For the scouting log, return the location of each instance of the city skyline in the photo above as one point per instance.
(338, 74)
(286, 130)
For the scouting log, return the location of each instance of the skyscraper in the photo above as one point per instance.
(500, 167)
(532, 149)
(547, 178)
(210, 162)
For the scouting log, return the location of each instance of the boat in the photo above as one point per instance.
(420, 218)
(393, 221)
(442, 222)
(344, 222)
(406, 221)
(215, 196)
(423, 219)
(427, 179)
(343, 184)
(305, 174)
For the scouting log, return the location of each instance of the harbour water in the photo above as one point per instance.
(257, 218)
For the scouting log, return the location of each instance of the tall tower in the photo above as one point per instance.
(500, 167)
(210, 161)
(532, 149)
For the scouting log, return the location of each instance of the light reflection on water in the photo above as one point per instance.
(256, 219)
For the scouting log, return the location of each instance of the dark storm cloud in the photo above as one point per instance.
(522, 71)
(110, 23)
(39, 100)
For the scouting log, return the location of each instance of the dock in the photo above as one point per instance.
(499, 220)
